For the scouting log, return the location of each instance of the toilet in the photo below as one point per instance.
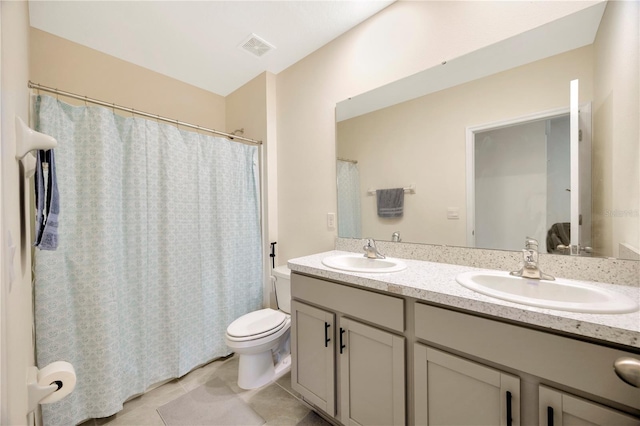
(262, 338)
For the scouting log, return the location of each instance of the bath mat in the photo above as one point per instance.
(213, 403)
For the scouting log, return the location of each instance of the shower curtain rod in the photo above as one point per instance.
(142, 113)
(347, 160)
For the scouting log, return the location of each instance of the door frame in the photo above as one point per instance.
(470, 132)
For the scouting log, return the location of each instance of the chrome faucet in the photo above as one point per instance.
(371, 251)
(395, 237)
(530, 267)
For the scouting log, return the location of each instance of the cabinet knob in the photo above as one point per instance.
(628, 369)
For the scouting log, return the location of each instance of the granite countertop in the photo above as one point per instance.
(435, 282)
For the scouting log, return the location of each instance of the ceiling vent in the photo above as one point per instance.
(256, 46)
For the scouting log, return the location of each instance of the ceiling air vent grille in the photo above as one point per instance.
(256, 45)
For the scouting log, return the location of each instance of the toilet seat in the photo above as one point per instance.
(256, 325)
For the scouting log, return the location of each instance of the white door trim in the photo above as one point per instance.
(3, 281)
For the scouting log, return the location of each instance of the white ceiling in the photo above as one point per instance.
(197, 41)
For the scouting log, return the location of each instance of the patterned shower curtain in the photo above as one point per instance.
(349, 220)
(159, 250)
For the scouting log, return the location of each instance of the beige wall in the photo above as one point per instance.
(423, 142)
(16, 344)
(251, 108)
(615, 138)
(68, 66)
(401, 40)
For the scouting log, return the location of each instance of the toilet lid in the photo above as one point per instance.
(256, 322)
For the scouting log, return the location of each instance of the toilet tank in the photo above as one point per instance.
(282, 277)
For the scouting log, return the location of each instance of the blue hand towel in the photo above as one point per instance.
(390, 202)
(39, 198)
(47, 202)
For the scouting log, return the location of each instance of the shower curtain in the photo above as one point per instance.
(159, 250)
(349, 220)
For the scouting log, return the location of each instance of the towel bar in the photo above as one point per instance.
(411, 189)
(28, 140)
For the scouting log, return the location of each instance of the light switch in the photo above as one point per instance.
(453, 213)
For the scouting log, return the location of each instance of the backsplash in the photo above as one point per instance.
(599, 269)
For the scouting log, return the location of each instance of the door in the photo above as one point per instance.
(372, 375)
(584, 173)
(312, 353)
(453, 391)
(580, 140)
(560, 409)
(510, 171)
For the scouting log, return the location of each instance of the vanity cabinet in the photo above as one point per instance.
(360, 330)
(370, 357)
(450, 390)
(546, 360)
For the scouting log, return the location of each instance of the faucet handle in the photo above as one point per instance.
(530, 242)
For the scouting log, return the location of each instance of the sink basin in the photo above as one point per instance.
(360, 263)
(558, 294)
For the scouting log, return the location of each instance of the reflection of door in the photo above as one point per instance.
(511, 185)
(519, 180)
(584, 137)
(580, 172)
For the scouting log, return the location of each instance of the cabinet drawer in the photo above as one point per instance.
(387, 311)
(574, 363)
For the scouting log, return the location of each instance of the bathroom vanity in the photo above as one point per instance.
(415, 347)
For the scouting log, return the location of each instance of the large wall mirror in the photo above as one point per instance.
(480, 144)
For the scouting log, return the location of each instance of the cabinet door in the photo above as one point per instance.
(312, 354)
(372, 375)
(560, 409)
(453, 391)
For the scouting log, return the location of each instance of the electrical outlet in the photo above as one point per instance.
(331, 220)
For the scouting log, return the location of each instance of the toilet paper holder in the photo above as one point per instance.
(49, 384)
(37, 392)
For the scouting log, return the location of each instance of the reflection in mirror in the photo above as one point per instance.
(421, 140)
(529, 164)
(348, 179)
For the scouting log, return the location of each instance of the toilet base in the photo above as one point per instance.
(283, 367)
(257, 370)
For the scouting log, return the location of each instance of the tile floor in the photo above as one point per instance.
(276, 403)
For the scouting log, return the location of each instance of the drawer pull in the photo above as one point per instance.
(326, 334)
(628, 369)
(509, 416)
(549, 416)
(342, 346)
